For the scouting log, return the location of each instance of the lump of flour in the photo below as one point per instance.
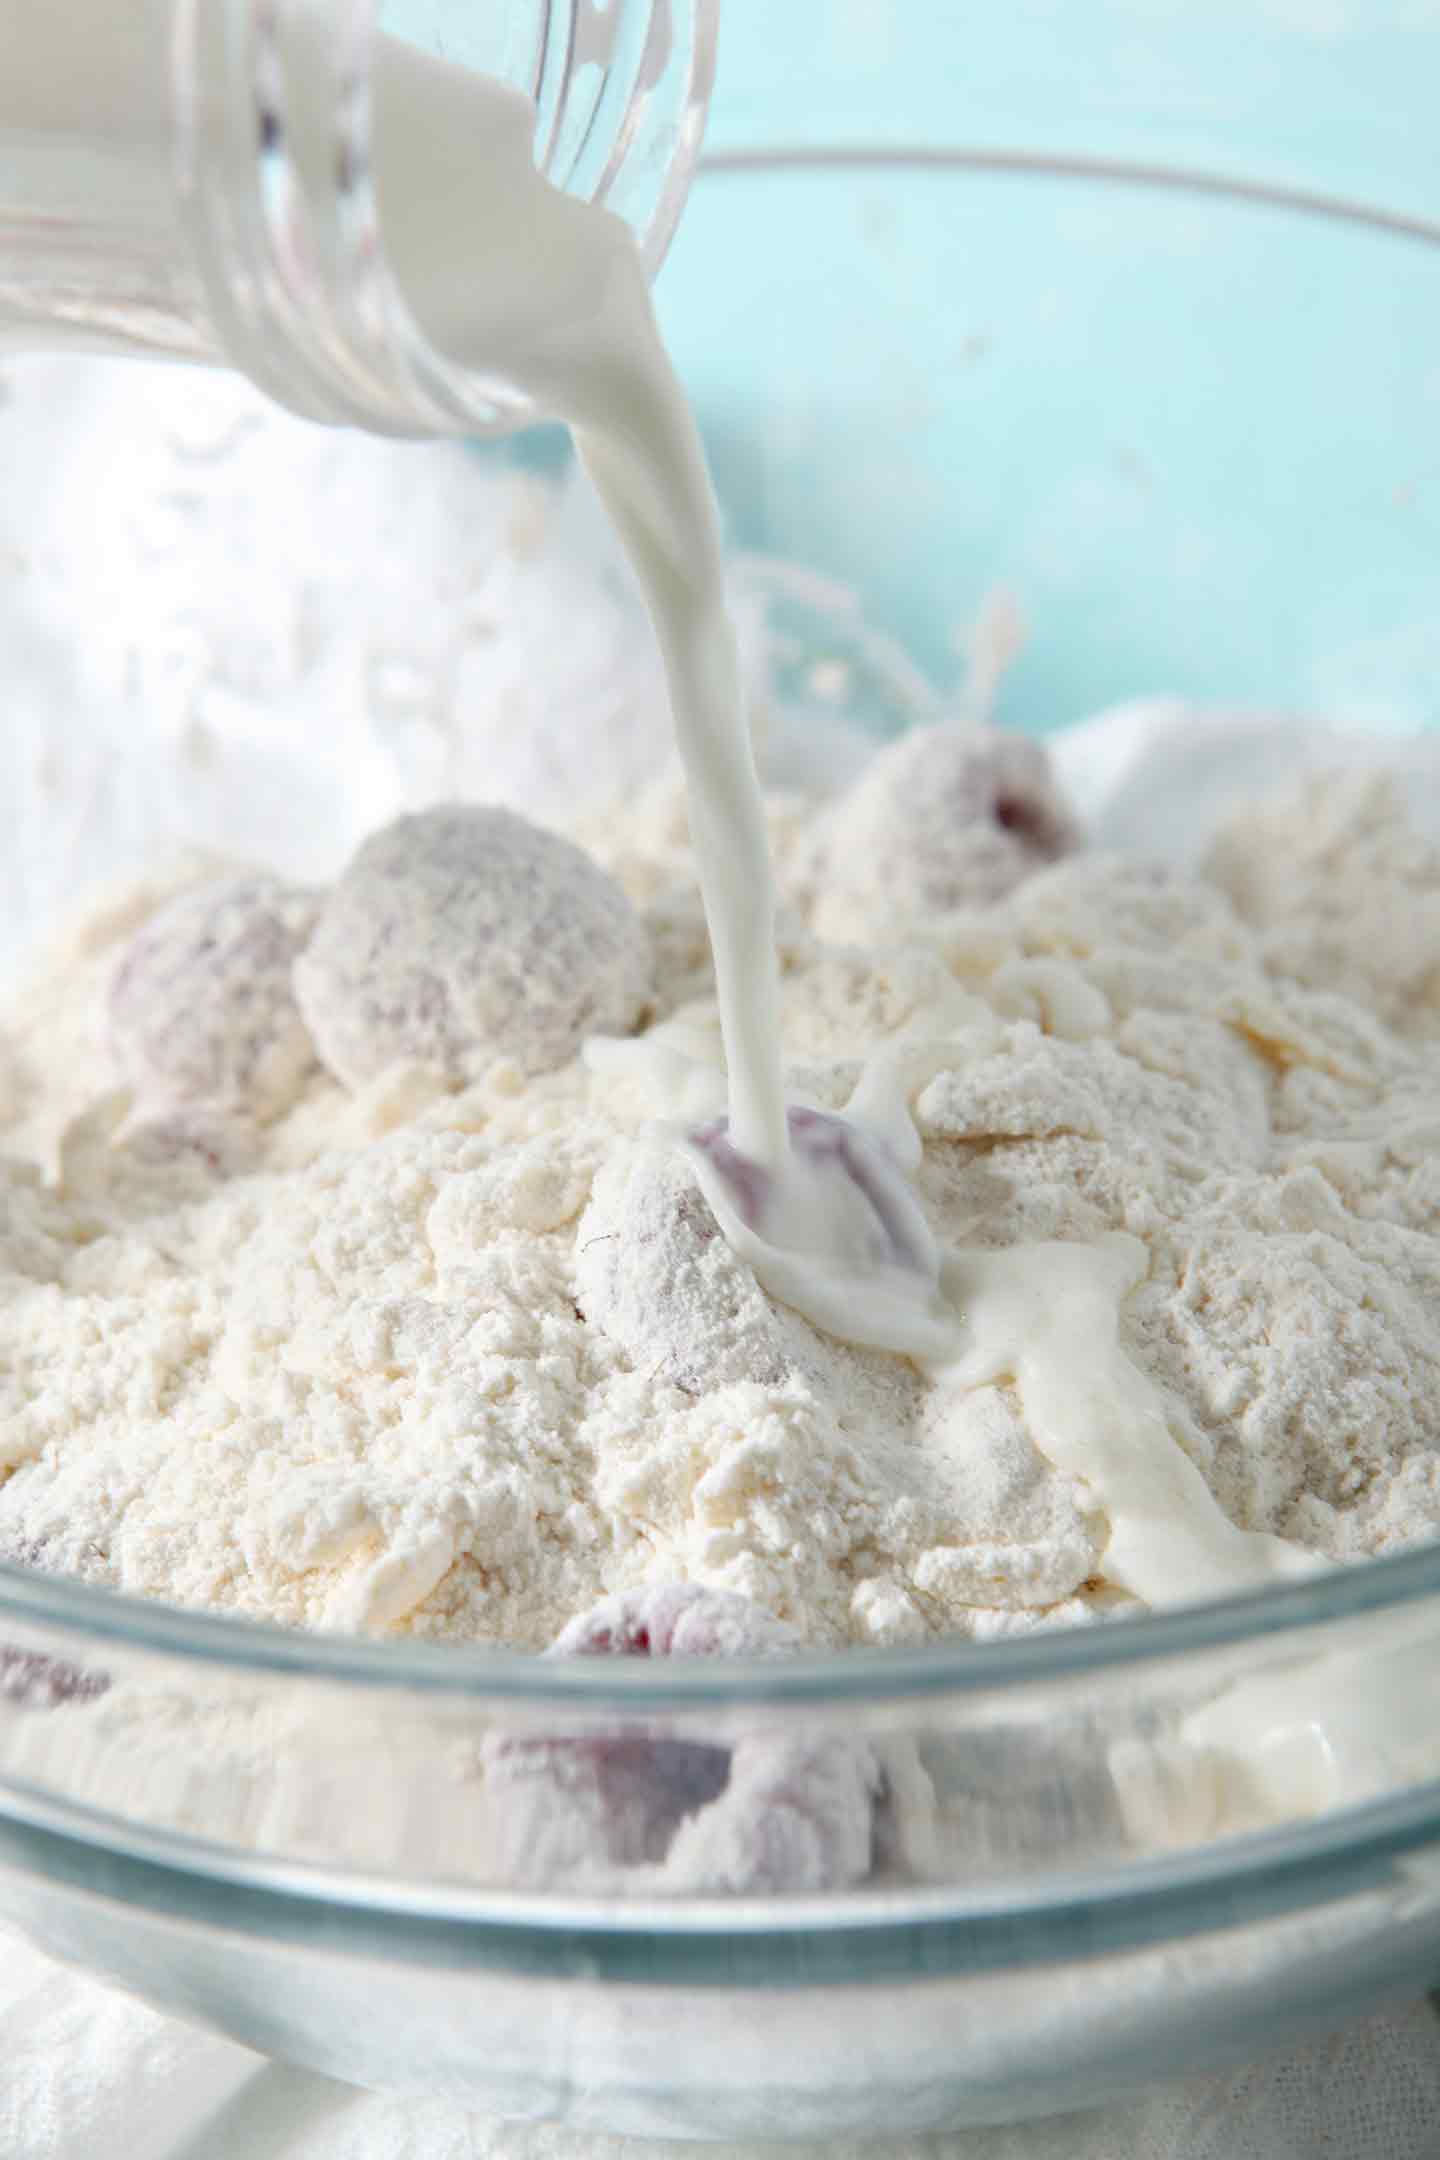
(202, 1012)
(758, 1814)
(1343, 891)
(942, 818)
(463, 935)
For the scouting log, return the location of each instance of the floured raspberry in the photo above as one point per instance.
(747, 1814)
(207, 1138)
(38, 1682)
(942, 818)
(201, 1007)
(836, 1232)
(673, 1620)
(656, 1276)
(32, 1679)
(463, 935)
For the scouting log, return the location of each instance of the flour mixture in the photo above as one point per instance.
(356, 1277)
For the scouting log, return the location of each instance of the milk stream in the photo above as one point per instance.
(553, 299)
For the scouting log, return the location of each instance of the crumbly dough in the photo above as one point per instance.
(392, 1376)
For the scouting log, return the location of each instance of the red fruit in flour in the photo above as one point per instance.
(638, 1806)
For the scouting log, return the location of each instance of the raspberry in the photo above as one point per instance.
(943, 818)
(837, 1233)
(654, 1274)
(37, 1682)
(223, 1145)
(639, 1808)
(201, 1007)
(463, 935)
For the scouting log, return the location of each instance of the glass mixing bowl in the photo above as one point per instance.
(1156, 1845)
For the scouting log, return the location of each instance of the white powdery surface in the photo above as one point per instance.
(225, 626)
(391, 1376)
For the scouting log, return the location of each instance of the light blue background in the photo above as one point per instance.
(1333, 94)
(1200, 440)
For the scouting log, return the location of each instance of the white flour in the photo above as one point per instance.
(395, 1377)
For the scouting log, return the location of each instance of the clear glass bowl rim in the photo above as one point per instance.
(1025, 163)
(818, 1677)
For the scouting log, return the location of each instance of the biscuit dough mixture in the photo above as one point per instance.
(450, 1344)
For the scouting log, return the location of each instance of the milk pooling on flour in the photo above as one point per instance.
(819, 1205)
